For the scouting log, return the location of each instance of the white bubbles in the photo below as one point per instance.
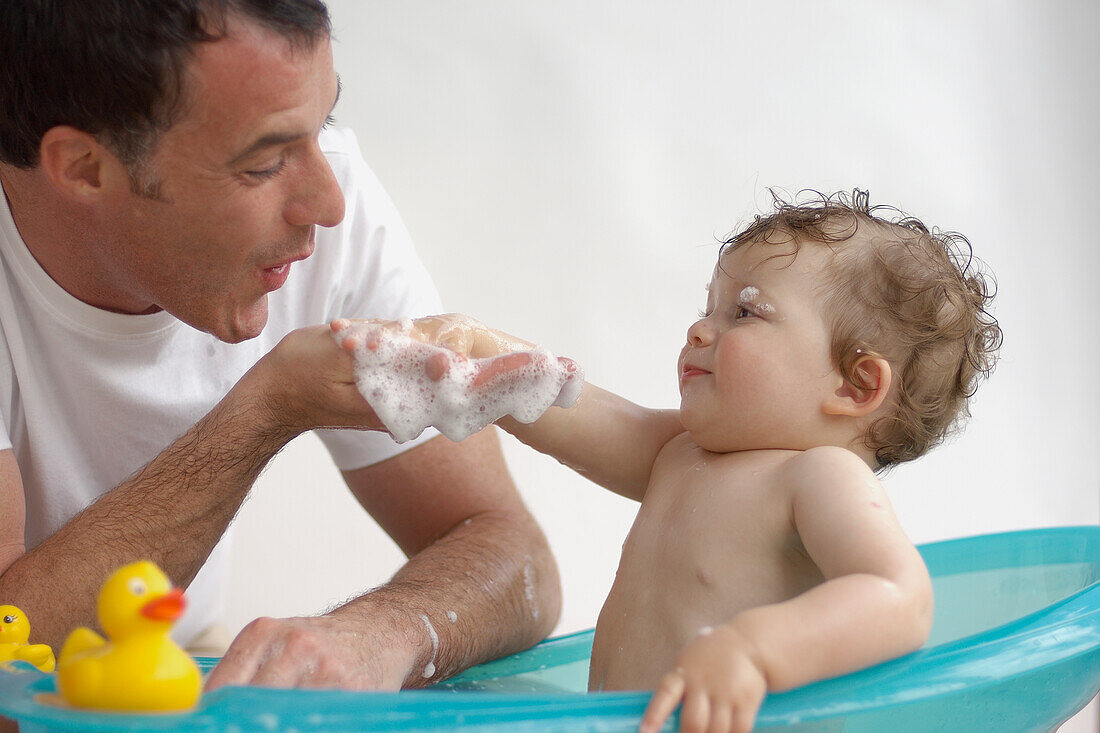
(392, 375)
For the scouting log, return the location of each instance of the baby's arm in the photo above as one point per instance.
(875, 603)
(604, 437)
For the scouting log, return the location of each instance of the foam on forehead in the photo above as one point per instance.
(392, 378)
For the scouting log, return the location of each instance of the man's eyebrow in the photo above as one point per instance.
(281, 138)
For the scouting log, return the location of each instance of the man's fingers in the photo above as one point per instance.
(665, 699)
(233, 669)
(500, 366)
(244, 656)
(278, 670)
(436, 367)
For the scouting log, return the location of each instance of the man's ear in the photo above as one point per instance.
(852, 400)
(76, 164)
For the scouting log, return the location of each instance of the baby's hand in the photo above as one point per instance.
(719, 682)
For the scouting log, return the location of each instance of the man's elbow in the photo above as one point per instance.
(9, 553)
(542, 583)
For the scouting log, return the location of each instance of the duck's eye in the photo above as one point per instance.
(9, 619)
(137, 587)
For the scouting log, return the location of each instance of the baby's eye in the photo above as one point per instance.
(743, 312)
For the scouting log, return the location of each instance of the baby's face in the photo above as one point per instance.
(756, 368)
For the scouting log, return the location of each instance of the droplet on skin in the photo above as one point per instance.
(529, 588)
(429, 670)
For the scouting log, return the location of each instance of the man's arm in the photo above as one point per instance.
(175, 509)
(480, 582)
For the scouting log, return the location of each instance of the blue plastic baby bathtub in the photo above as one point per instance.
(1015, 646)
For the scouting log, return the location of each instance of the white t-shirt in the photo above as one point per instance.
(88, 396)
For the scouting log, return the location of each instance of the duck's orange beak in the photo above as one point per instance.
(168, 607)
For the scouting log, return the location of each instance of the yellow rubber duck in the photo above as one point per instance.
(140, 668)
(15, 630)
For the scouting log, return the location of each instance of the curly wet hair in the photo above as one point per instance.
(896, 289)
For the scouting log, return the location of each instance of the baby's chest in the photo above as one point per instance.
(727, 533)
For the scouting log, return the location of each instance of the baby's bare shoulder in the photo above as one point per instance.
(826, 460)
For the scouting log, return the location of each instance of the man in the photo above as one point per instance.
(165, 173)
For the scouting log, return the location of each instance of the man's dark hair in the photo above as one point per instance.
(115, 68)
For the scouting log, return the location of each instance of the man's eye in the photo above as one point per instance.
(267, 172)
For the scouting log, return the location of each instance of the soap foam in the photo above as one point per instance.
(390, 372)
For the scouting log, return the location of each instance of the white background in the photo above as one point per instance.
(565, 169)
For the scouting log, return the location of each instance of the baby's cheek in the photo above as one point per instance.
(734, 355)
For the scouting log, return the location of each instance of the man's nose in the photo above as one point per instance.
(317, 196)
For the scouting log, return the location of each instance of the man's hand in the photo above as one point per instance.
(719, 682)
(318, 652)
(307, 381)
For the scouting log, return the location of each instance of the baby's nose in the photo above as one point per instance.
(700, 333)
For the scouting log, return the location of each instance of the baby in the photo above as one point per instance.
(765, 555)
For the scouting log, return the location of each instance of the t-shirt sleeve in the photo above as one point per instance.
(7, 388)
(380, 276)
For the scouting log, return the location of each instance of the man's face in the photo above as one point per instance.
(241, 183)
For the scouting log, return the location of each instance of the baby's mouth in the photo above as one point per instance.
(692, 371)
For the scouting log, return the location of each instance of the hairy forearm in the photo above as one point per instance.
(172, 511)
(840, 626)
(487, 588)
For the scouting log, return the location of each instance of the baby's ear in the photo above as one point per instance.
(874, 375)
